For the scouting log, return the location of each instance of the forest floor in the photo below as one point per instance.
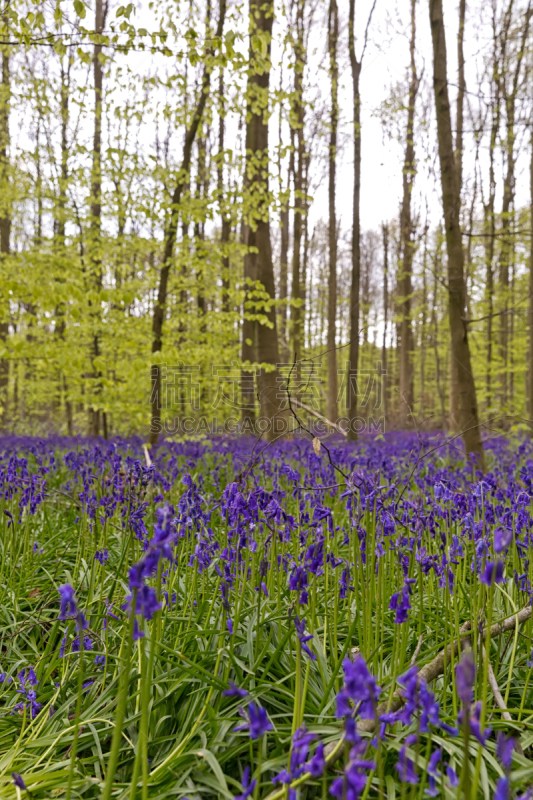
(232, 619)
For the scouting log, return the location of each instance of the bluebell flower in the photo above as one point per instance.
(248, 785)
(493, 573)
(452, 777)
(503, 788)
(257, 721)
(18, 781)
(502, 539)
(303, 638)
(234, 691)
(504, 750)
(317, 764)
(465, 673)
(406, 768)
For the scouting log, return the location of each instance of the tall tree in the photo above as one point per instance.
(258, 262)
(5, 221)
(489, 222)
(172, 228)
(355, 65)
(451, 201)
(530, 309)
(385, 238)
(461, 89)
(333, 35)
(297, 122)
(405, 278)
(509, 87)
(97, 417)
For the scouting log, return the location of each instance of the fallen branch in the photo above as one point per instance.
(319, 416)
(334, 750)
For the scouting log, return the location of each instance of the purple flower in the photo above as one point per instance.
(257, 721)
(502, 539)
(475, 726)
(17, 780)
(317, 764)
(406, 768)
(248, 786)
(302, 638)
(234, 691)
(69, 607)
(101, 556)
(452, 777)
(359, 686)
(504, 750)
(493, 573)
(68, 602)
(465, 673)
(502, 788)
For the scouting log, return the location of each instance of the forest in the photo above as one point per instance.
(190, 218)
(266, 400)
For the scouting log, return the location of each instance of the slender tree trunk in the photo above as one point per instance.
(5, 223)
(451, 201)
(530, 310)
(384, 360)
(298, 115)
(60, 227)
(284, 244)
(353, 349)
(224, 213)
(489, 227)
(258, 263)
(454, 387)
(333, 35)
(405, 278)
(170, 237)
(423, 332)
(435, 324)
(510, 94)
(95, 412)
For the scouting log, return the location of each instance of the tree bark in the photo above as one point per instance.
(258, 263)
(451, 201)
(333, 35)
(530, 309)
(489, 227)
(405, 279)
(225, 231)
(95, 412)
(170, 237)
(385, 388)
(509, 96)
(461, 88)
(298, 122)
(5, 223)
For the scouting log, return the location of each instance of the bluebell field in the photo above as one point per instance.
(229, 618)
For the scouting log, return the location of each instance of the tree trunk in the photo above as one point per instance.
(298, 117)
(510, 97)
(333, 35)
(530, 310)
(451, 201)
(224, 214)
(385, 388)
(170, 237)
(353, 349)
(95, 413)
(405, 279)
(489, 227)
(5, 224)
(454, 388)
(258, 262)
